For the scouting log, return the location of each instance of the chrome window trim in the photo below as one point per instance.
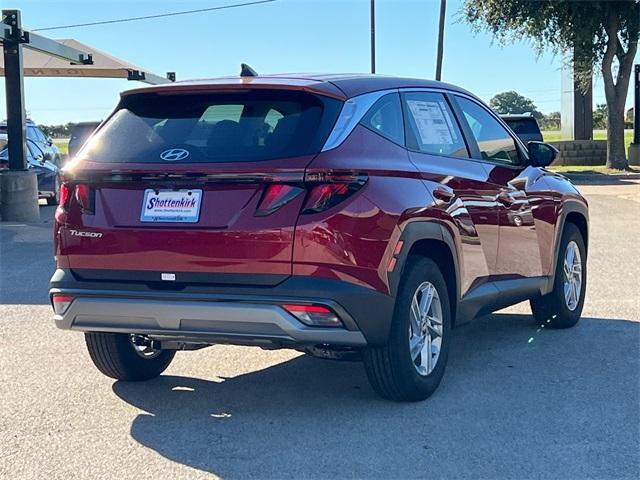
(351, 114)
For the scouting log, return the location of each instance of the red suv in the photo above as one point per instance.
(343, 216)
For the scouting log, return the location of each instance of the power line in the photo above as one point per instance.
(147, 17)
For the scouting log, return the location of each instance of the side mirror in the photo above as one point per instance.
(541, 154)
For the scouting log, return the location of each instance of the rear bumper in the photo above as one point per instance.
(225, 314)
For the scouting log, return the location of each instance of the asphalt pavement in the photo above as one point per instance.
(517, 402)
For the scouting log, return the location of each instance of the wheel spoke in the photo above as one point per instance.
(427, 354)
(434, 330)
(567, 293)
(415, 345)
(567, 270)
(570, 254)
(425, 301)
(415, 317)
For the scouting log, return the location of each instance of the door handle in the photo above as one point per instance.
(443, 194)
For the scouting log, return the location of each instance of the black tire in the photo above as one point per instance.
(390, 369)
(551, 310)
(115, 356)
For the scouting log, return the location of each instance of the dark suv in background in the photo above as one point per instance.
(343, 216)
(525, 126)
(79, 134)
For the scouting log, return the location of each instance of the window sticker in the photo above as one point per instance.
(433, 122)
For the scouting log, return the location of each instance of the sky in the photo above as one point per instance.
(282, 36)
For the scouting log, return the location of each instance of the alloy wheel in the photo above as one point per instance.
(572, 276)
(425, 328)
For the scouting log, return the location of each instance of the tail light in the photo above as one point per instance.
(64, 194)
(61, 211)
(61, 303)
(85, 196)
(324, 190)
(329, 189)
(275, 196)
(314, 315)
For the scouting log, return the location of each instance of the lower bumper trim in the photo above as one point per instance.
(210, 322)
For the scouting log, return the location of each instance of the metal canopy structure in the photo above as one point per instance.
(26, 53)
(41, 64)
(44, 57)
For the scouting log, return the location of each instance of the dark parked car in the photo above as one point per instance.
(343, 216)
(37, 136)
(80, 132)
(524, 126)
(47, 172)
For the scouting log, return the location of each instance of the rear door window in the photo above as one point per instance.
(225, 127)
(431, 125)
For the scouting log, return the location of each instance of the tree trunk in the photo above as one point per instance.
(616, 92)
(616, 154)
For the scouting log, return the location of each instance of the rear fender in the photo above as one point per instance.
(418, 231)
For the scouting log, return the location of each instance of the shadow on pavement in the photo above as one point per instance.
(516, 402)
(26, 256)
(590, 177)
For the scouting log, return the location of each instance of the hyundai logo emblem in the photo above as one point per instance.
(174, 154)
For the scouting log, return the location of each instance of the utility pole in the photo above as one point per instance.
(443, 8)
(373, 36)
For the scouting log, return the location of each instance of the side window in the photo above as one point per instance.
(495, 143)
(432, 126)
(385, 118)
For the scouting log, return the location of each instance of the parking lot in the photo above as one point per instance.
(516, 401)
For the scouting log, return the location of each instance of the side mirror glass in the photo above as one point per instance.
(541, 154)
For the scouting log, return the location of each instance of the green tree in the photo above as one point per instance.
(604, 33)
(550, 121)
(513, 102)
(600, 116)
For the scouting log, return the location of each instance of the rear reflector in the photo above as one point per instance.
(275, 196)
(314, 315)
(61, 303)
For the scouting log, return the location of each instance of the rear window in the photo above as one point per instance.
(226, 127)
(523, 126)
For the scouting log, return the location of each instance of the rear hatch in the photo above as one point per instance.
(193, 187)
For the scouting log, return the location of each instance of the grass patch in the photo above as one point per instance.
(62, 144)
(556, 136)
